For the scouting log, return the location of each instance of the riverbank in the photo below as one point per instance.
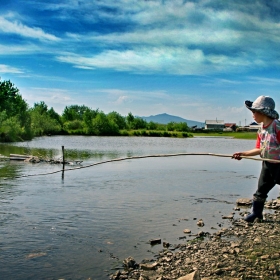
(177, 134)
(241, 251)
(163, 133)
(236, 135)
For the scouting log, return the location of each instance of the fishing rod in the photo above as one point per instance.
(144, 156)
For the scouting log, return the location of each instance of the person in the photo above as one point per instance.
(268, 147)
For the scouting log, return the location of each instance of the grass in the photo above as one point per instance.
(156, 133)
(162, 133)
(236, 135)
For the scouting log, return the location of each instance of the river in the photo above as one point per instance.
(83, 224)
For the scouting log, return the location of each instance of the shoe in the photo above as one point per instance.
(257, 212)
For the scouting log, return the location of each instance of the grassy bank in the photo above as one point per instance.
(155, 133)
(237, 135)
(178, 134)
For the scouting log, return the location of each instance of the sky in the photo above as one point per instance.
(199, 60)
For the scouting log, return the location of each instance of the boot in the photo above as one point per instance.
(257, 211)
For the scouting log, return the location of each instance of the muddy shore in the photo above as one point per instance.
(241, 251)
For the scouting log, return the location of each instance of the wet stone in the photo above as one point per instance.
(241, 251)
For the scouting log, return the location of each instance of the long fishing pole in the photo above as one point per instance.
(144, 156)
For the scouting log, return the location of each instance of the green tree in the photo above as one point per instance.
(15, 118)
(117, 119)
(103, 126)
(41, 107)
(88, 117)
(54, 115)
(138, 123)
(71, 126)
(11, 130)
(152, 125)
(44, 121)
(11, 100)
(182, 126)
(170, 126)
(130, 119)
(74, 112)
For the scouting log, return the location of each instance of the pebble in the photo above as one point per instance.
(242, 251)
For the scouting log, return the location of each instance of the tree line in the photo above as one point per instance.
(19, 122)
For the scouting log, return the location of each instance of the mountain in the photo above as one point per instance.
(165, 119)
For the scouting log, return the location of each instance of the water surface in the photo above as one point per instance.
(83, 225)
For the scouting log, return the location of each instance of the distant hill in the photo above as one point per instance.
(165, 119)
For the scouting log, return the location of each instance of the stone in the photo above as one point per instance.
(201, 233)
(244, 201)
(192, 276)
(227, 217)
(165, 244)
(155, 241)
(200, 223)
(241, 251)
(129, 263)
(257, 240)
(264, 257)
(148, 266)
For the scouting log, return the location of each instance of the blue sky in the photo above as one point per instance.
(196, 59)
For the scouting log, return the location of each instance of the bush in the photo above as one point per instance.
(10, 130)
(124, 133)
(136, 133)
(73, 125)
(101, 125)
(144, 133)
(170, 126)
(155, 133)
(166, 134)
(138, 123)
(184, 134)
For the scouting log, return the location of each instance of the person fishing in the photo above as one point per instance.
(268, 147)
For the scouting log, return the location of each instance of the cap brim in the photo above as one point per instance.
(248, 104)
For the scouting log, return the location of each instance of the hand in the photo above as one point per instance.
(237, 155)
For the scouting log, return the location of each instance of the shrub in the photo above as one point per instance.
(73, 125)
(11, 130)
(166, 134)
(124, 133)
(155, 133)
(144, 133)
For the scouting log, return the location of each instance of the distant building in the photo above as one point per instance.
(214, 124)
(254, 126)
(230, 127)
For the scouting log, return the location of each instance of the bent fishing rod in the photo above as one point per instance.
(144, 156)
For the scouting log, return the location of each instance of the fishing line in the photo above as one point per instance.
(140, 157)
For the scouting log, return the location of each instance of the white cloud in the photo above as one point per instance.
(122, 99)
(263, 80)
(15, 27)
(18, 49)
(172, 60)
(177, 37)
(8, 69)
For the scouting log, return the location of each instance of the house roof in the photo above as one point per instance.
(230, 124)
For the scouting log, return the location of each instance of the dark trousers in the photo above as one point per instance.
(269, 177)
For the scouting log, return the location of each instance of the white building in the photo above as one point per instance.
(215, 124)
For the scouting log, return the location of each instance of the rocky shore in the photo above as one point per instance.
(241, 251)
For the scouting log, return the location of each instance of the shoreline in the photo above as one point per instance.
(241, 251)
(159, 133)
